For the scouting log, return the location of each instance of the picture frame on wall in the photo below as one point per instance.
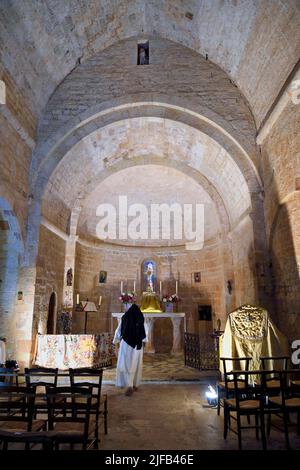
(102, 277)
(197, 277)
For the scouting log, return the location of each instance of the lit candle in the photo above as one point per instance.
(134, 286)
(121, 287)
(160, 287)
(77, 299)
(100, 300)
(176, 287)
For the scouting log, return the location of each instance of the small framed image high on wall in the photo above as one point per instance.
(102, 277)
(197, 277)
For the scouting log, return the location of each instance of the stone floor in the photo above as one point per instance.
(165, 417)
(171, 417)
(166, 368)
(170, 412)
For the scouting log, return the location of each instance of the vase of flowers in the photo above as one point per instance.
(127, 299)
(170, 302)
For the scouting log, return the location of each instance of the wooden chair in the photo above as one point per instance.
(99, 401)
(274, 364)
(45, 438)
(17, 409)
(68, 408)
(9, 375)
(238, 363)
(246, 400)
(287, 402)
(34, 377)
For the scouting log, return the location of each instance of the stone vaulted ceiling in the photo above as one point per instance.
(255, 41)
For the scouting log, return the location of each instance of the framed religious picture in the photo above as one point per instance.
(205, 312)
(197, 277)
(102, 277)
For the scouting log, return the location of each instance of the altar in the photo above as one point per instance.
(75, 351)
(150, 318)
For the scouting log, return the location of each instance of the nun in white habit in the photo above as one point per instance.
(131, 333)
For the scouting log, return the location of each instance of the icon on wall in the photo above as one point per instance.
(204, 312)
(197, 277)
(102, 277)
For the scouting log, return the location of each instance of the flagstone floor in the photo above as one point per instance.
(165, 417)
(166, 368)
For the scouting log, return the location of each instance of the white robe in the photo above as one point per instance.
(130, 361)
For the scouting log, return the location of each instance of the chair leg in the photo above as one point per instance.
(105, 417)
(226, 412)
(269, 423)
(286, 428)
(219, 402)
(263, 431)
(97, 440)
(256, 426)
(239, 431)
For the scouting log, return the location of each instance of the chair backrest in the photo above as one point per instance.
(41, 376)
(274, 362)
(86, 377)
(287, 387)
(235, 363)
(69, 405)
(258, 391)
(17, 404)
(8, 375)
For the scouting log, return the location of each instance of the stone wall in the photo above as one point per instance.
(49, 277)
(280, 159)
(125, 264)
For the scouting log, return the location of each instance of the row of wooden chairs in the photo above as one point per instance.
(260, 393)
(243, 363)
(67, 407)
(62, 405)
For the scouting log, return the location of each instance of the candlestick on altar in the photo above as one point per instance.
(134, 286)
(100, 300)
(176, 287)
(160, 289)
(121, 287)
(77, 299)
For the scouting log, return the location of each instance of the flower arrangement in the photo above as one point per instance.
(127, 297)
(171, 298)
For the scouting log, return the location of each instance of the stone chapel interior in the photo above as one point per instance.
(159, 102)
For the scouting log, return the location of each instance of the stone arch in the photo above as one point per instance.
(153, 159)
(49, 153)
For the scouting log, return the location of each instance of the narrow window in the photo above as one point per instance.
(143, 53)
